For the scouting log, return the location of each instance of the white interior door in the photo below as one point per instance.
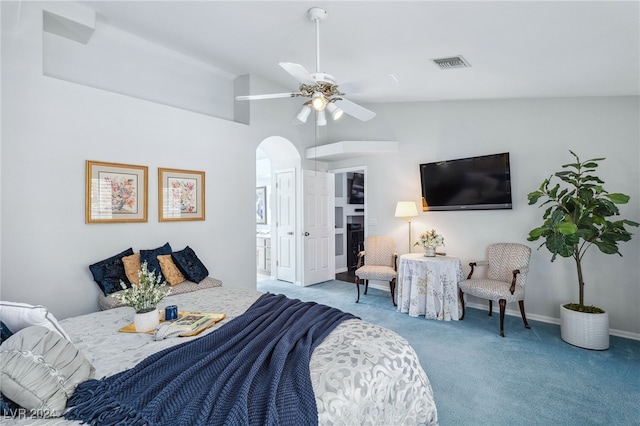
(285, 225)
(318, 227)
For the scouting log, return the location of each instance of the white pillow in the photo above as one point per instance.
(17, 316)
(40, 370)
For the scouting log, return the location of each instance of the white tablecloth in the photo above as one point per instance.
(429, 286)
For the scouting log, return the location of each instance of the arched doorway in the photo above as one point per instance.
(278, 163)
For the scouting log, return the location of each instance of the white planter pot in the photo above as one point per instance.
(589, 331)
(147, 321)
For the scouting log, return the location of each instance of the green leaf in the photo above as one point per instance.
(567, 228)
(607, 247)
(558, 244)
(618, 198)
(574, 165)
(534, 234)
(595, 159)
(630, 222)
(589, 178)
(586, 195)
(556, 217)
(534, 196)
(590, 164)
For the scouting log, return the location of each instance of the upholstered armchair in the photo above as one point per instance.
(378, 261)
(507, 267)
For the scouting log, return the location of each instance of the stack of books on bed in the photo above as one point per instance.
(190, 321)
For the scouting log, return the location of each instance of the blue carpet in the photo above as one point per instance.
(529, 377)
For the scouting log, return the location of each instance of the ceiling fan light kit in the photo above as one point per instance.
(320, 87)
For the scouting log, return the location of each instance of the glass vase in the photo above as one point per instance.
(429, 251)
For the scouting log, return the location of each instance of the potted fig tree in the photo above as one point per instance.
(577, 218)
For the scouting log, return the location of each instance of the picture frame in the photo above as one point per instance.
(115, 193)
(261, 205)
(181, 195)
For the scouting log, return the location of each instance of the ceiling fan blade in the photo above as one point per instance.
(267, 96)
(299, 73)
(355, 110)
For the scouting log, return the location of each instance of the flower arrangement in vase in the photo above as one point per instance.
(430, 240)
(144, 298)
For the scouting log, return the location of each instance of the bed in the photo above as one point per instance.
(360, 373)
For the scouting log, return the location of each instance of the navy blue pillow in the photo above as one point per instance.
(151, 257)
(108, 272)
(5, 333)
(189, 264)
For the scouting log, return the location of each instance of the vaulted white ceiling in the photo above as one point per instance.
(381, 50)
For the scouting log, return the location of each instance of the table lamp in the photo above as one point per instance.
(407, 210)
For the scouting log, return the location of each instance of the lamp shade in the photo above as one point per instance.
(335, 112)
(304, 113)
(406, 209)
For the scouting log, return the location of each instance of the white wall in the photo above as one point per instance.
(51, 127)
(538, 134)
(114, 60)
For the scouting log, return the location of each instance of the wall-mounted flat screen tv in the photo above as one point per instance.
(474, 183)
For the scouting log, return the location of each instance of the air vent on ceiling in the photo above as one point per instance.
(451, 62)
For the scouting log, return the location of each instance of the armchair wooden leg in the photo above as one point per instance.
(392, 285)
(490, 308)
(461, 296)
(366, 286)
(524, 317)
(503, 305)
(358, 288)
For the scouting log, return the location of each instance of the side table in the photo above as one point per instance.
(429, 286)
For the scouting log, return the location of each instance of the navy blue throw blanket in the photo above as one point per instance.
(254, 370)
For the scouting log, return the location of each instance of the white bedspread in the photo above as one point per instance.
(361, 373)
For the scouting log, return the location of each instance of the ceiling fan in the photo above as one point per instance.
(321, 88)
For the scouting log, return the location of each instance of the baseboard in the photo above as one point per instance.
(384, 286)
(552, 320)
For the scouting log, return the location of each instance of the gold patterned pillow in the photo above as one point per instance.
(170, 271)
(131, 267)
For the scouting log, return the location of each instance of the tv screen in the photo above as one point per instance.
(356, 188)
(475, 183)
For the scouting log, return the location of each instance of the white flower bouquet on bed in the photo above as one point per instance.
(144, 296)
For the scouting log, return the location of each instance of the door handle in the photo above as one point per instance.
(306, 234)
(290, 233)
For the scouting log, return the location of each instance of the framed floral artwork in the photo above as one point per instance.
(115, 193)
(180, 195)
(261, 205)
